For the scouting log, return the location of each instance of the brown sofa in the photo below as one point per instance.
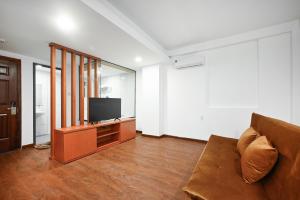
(217, 174)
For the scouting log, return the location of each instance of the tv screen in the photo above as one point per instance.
(104, 109)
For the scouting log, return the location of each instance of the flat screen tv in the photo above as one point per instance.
(104, 109)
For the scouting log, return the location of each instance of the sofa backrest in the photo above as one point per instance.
(283, 182)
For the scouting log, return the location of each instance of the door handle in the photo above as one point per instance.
(13, 108)
(1, 115)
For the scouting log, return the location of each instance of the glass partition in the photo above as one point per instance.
(115, 82)
(118, 82)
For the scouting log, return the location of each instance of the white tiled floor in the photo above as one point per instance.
(42, 139)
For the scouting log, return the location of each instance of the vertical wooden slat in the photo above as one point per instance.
(89, 86)
(81, 90)
(99, 78)
(63, 89)
(89, 78)
(73, 89)
(96, 86)
(52, 97)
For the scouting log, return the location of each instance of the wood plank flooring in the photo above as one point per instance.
(144, 168)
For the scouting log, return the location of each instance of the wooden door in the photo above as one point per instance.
(10, 104)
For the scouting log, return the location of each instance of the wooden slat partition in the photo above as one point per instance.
(73, 89)
(70, 50)
(96, 84)
(81, 90)
(64, 50)
(63, 88)
(53, 97)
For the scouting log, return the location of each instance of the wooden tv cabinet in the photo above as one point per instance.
(79, 141)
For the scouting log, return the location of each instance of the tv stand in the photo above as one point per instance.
(79, 141)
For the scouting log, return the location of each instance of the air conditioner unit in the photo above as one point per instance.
(186, 61)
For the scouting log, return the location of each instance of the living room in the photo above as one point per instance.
(149, 99)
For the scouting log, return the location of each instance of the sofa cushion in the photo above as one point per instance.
(217, 174)
(258, 159)
(246, 138)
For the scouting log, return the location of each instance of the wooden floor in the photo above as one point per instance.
(144, 168)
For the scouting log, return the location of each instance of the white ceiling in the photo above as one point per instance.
(120, 30)
(177, 23)
(28, 26)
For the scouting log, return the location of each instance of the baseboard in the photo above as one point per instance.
(138, 131)
(184, 138)
(177, 137)
(153, 136)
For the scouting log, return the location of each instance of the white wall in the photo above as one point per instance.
(275, 76)
(296, 75)
(149, 100)
(163, 98)
(151, 110)
(237, 80)
(139, 100)
(27, 93)
(257, 74)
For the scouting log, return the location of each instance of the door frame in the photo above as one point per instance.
(19, 90)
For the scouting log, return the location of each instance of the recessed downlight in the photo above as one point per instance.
(138, 59)
(65, 23)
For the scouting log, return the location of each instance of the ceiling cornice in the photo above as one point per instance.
(107, 10)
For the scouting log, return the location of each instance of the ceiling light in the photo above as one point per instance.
(65, 23)
(138, 59)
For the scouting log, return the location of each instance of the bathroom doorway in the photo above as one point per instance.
(41, 102)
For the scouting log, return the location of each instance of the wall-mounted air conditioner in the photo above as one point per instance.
(186, 61)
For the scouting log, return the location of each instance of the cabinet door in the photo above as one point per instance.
(127, 130)
(79, 144)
